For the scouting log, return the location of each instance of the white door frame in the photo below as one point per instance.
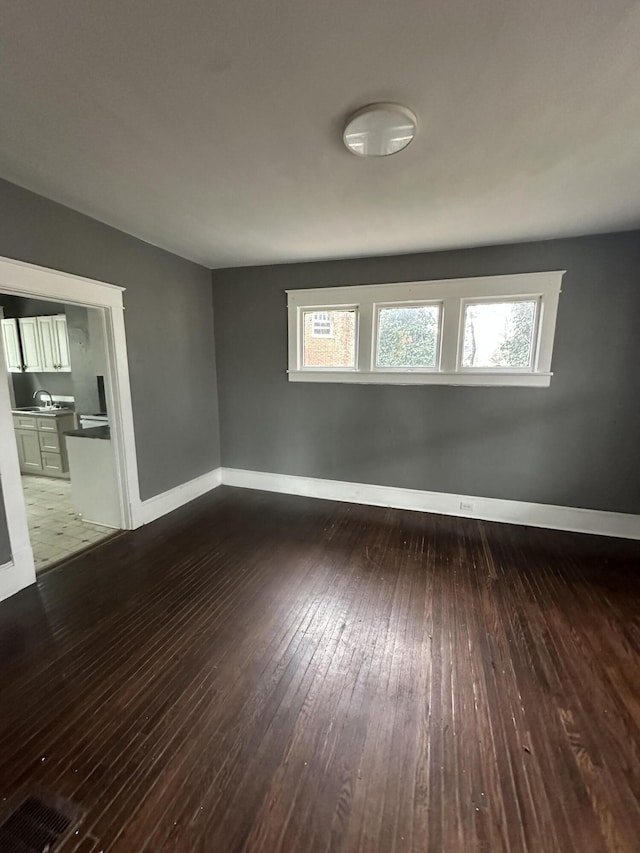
(22, 279)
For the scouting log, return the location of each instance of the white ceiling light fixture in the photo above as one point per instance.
(378, 130)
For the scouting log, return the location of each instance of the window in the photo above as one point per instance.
(495, 330)
(408, 336)
(335, 349)
(499, 334)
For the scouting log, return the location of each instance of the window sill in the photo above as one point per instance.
(522, 380)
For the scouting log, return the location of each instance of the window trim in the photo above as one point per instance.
(304, 309)
(452, 294)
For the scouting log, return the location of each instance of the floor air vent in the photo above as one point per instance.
(36, 826)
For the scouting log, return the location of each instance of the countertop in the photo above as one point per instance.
(103, 432)
(43, 413)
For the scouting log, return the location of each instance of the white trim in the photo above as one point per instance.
(3, 362)
(451, 295)
(56, 286)
(20, 571)
(166, 502)
(415, 377)
(574, 519)
(425, 290)
(120, 410)
(23, 279)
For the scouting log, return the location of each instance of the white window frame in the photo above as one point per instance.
(452, 295)
(406, 369)
(532, 367)
(299, 335)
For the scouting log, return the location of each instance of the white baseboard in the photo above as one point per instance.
(573, 519)
(160, 505)
(18, 573)
(10, 581)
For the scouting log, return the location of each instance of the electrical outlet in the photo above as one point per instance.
(467, 506)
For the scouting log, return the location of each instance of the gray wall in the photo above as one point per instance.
(81, 354)
(574, 444)
(25, 384)
(169, 325)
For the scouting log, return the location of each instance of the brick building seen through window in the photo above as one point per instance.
(329, 338)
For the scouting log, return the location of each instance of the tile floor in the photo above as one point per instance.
(55, 529)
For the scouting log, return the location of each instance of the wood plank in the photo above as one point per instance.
(261, 672)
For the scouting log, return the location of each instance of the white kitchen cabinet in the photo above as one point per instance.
(29, 452)
(31, 348)
(48, 348)
(45, 344)
(54, 343)
(62, 341)
(11, 342)
(41, 442)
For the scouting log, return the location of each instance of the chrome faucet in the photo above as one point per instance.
(43, 391)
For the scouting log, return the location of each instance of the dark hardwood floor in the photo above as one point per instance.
(267, 673)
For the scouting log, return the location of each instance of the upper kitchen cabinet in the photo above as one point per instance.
(31, 347)
(45, 344)
(54, 342)
(62, 340)
(11, 343)
(48, 358)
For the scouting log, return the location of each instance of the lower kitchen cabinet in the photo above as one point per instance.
(54, 465)
(41, 443)
(29, 451)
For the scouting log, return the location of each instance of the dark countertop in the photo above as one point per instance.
(93, 432)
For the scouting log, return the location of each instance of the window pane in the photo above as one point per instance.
(408, 337)
(499, 334)
(329, 338)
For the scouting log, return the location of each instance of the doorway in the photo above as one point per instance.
(82, 484)
(56, 359)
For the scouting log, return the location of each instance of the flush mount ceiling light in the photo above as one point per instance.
(379, 130)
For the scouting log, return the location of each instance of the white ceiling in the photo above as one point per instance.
(213, 128)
